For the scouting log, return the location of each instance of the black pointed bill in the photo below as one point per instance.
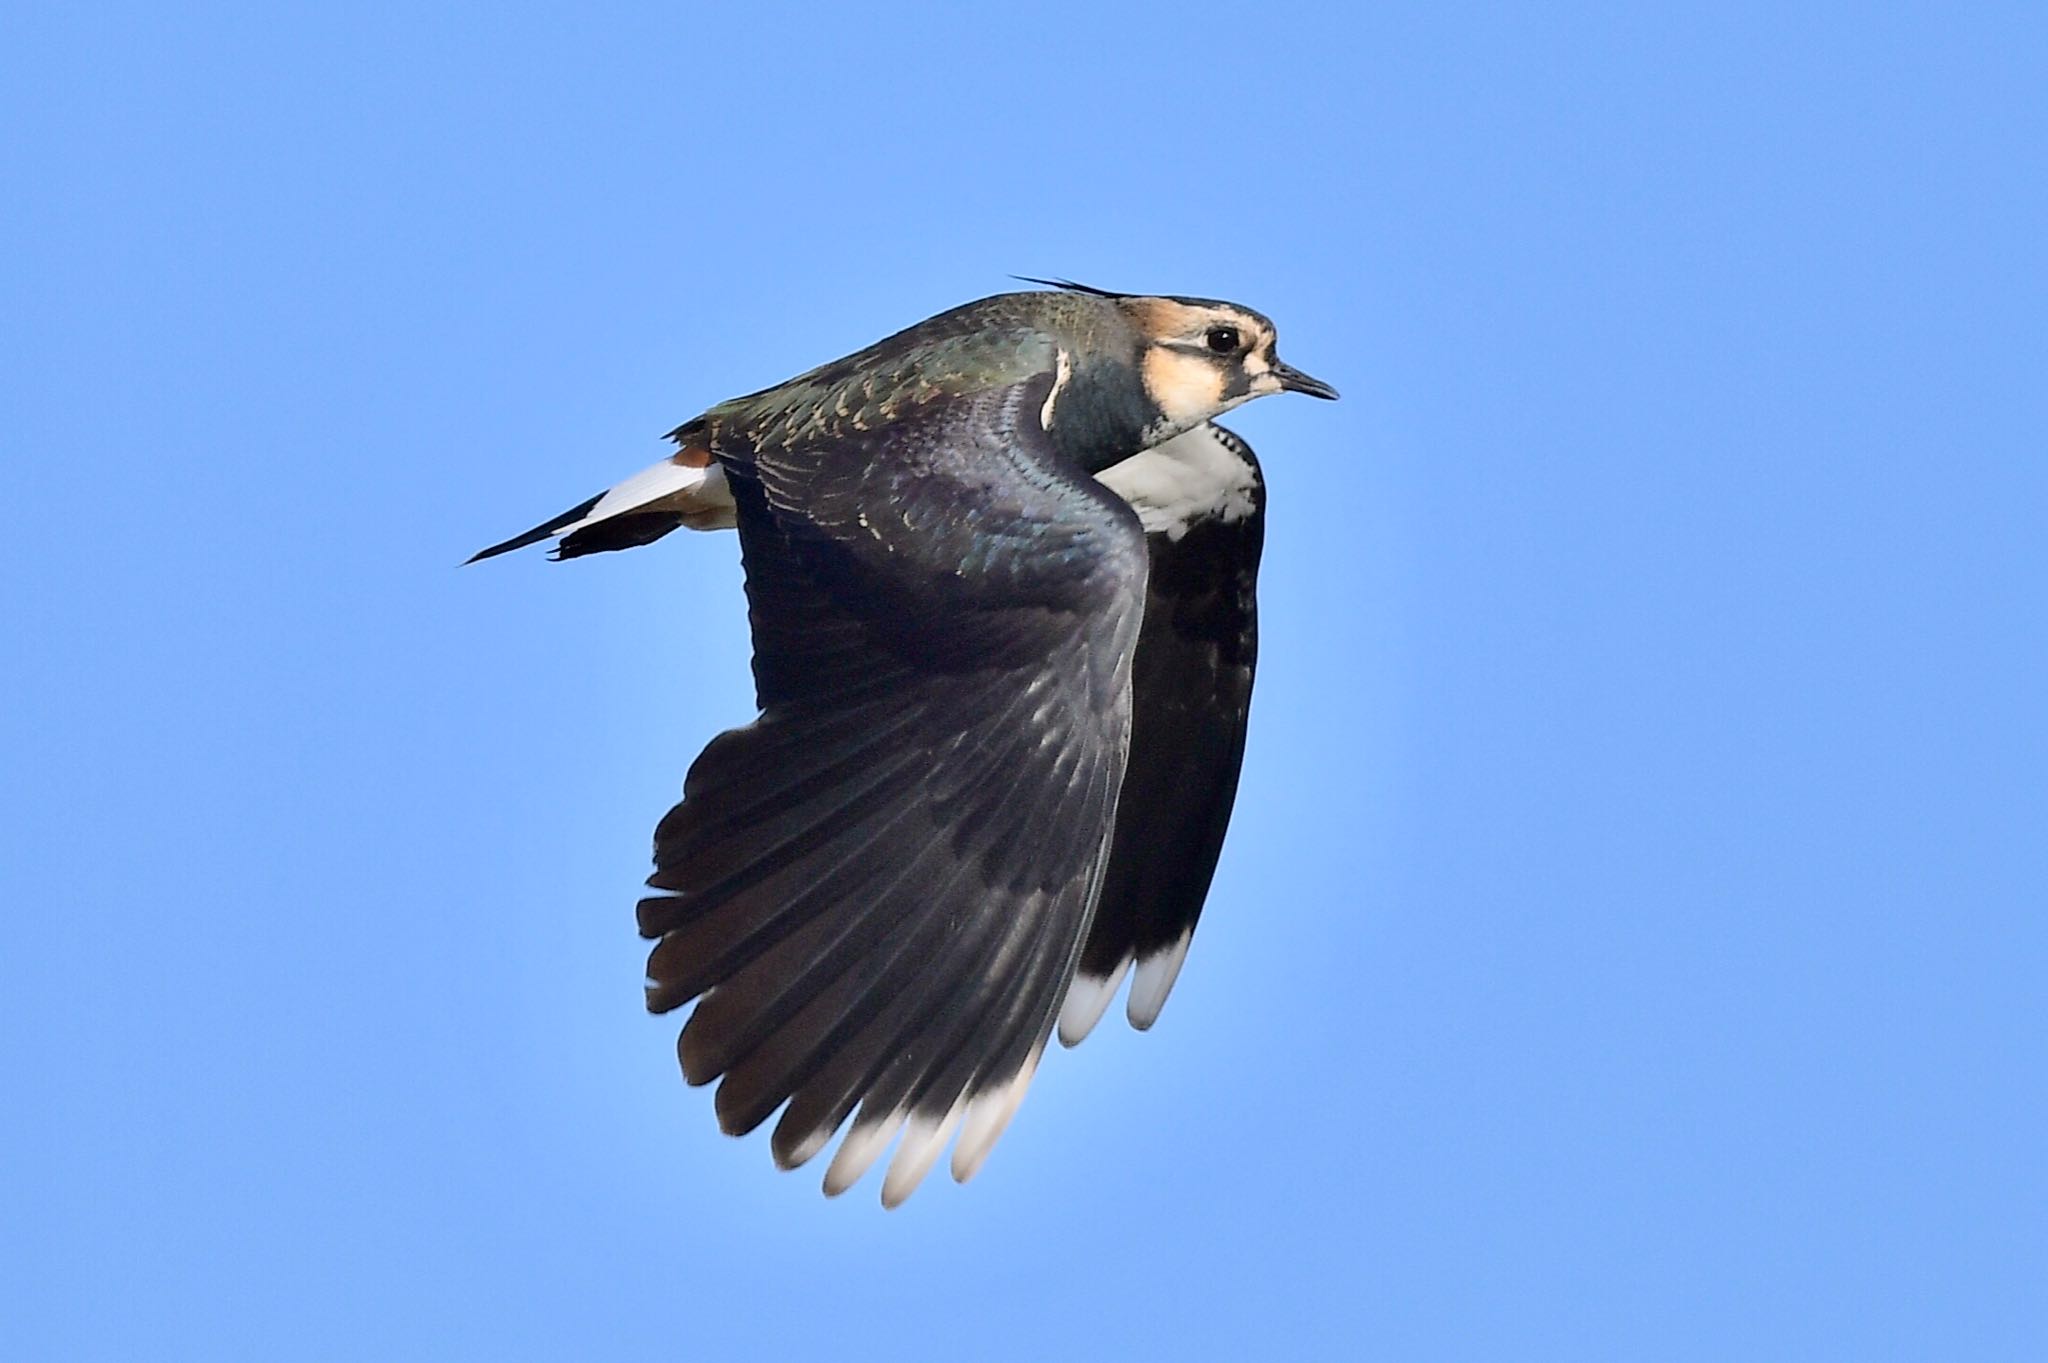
(1294, 381)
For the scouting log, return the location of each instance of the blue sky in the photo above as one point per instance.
(1630, 943)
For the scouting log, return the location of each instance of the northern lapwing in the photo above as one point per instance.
(1001, 572)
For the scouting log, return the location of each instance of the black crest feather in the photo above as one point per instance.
(1069, 286)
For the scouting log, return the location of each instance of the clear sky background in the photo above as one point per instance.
(1630, 944)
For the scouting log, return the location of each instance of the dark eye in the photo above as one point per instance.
(1222, 340)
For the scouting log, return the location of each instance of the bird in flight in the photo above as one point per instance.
(1000, 573)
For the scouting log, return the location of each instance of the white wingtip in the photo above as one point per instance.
(803, 1153)
(1154, 981)
(987, 1118)
(859, 1150)
(1087, 1000)
(923, 1139)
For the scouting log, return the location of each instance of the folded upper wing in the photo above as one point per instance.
(877, 891)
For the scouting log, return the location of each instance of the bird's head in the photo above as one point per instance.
(1146, 367)
(1198, 357)
(1201, 357)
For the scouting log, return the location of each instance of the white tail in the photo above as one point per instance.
(687, 489)
(699, 495)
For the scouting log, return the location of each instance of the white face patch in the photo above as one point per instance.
(1259, 370)
(1186, 387)
(1196, 476)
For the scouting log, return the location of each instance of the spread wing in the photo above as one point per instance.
(1203, 503)
(877, 892)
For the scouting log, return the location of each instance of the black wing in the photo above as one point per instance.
(1191, 694)
(878, 891)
